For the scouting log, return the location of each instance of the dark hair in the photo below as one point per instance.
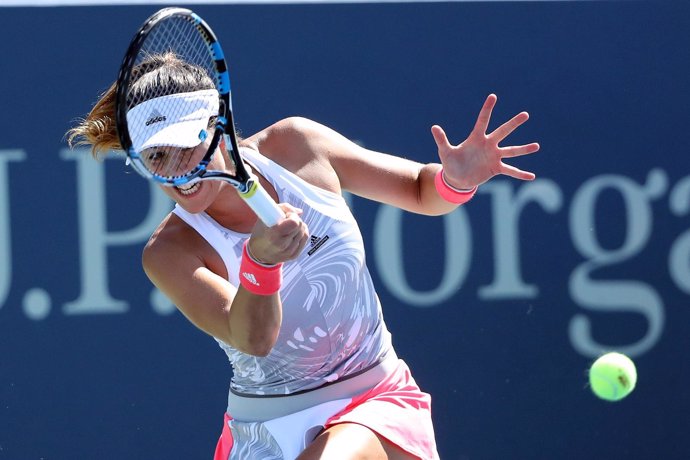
(159, 75)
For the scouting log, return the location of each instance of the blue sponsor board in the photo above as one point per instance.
(499, 307)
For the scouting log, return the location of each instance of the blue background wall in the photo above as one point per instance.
(499, 308)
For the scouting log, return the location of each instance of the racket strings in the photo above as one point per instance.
(173, 59)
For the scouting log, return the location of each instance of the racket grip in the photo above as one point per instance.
(262, 204)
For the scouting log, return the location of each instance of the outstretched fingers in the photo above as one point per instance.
(444, 146)
(519, 150)
(482, 124)
(517, 173)
(440, 136)
(509, 126)
(480, 155)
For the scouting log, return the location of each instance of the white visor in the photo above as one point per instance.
(175, 120)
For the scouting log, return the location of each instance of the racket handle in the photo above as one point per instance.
(262, 204)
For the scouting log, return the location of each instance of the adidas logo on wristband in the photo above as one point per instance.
(251, 278)
(257, 278)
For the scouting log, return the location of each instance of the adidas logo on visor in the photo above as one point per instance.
(155, 117)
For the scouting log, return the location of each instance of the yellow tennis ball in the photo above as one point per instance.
(612, 376)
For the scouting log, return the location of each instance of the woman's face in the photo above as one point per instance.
(197, 196)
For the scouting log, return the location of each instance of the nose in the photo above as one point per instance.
(172, 162)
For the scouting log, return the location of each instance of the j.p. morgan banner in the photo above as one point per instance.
(499, 308)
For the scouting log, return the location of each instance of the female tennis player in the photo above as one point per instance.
(314, 373)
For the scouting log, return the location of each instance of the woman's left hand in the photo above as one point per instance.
(479, 158)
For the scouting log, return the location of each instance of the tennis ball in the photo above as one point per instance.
(612, 376)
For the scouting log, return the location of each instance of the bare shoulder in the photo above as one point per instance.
(294, 137)
(174, 244)
(329, 160)
(303, 146)
(164, 244)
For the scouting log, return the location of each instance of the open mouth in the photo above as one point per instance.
(188, 189)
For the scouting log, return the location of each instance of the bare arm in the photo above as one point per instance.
(183, 266)
(410, 185)
(388, 178)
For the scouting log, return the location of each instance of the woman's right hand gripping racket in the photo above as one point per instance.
(174, 106)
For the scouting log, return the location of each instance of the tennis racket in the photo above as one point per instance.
(173, 109)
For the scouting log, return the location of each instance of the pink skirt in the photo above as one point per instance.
(395, 409)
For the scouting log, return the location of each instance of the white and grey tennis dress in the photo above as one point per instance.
(332, 327)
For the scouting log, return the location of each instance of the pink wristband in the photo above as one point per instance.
(451, 194)
(258, 278)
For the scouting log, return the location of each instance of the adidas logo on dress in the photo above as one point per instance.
(316, 242)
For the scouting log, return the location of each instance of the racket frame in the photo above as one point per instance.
(246, 184)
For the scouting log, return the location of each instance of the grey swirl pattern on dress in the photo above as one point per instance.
(252, 441)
